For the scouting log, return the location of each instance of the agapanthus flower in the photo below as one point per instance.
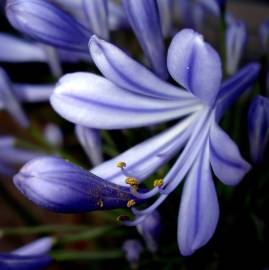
(258, 127)
(12, 94)
(132, 249)
(150, 229)
(236, 37)
(90, 140)
(61, 186)
(122, 100)
(33, 256)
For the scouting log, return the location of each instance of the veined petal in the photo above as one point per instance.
(32, 92)
(47, 23)
(90, 140)
(232, 88)
(145, 158)
(9, 100)
(96, 12)
(15, 262)
(236, 37)
(195, 65)
(120, 68)
(199, 210)
(145, 22)
(13, 49)
(93, 101)
(258, 127)
(226, 161)
(35, 248)
(60, 186)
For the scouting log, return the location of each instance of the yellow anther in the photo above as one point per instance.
(131, 181)
(158, 183)
(121, 164)
(100, 203)
(130, 203)
(123, 218)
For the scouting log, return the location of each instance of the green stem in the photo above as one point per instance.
(86, 255)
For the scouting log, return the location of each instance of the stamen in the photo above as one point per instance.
(158, 183)
(131, 203)
(121, 164)
(131, 181)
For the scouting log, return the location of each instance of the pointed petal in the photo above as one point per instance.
(35, 248)
(9, 100)
(227, 163)
(47, 23)
(145, 158)
(79, 93)
(15, 262)
(32, 92)
(145, 22)
(60, 186)
(199, 210)
(258, 127)
(195, 65)
(120, 68)
(236, 37)
(232, 88)
(13, 49)
(90, 140)
(96, 12)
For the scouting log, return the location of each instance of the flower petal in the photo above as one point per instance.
(145, 22)
(96, 12)
(120, 68)
(13, 49)
(199, 210)
(47, 23)
(165, 8)
(60, 186)
(232, 88)
(195, 65)
(227, 163)
(92, 101)
(145, 158)
(90, 140)
(258, 127)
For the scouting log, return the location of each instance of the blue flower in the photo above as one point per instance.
(258, 127)
(33, 256)
(236, 37)
(11, 94)
(60, 186)
(132, 96)
(132, 249)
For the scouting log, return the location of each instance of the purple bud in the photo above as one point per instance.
(150, 229)
(47, 23)
(61, 186)
(132, 250)
(258, 127)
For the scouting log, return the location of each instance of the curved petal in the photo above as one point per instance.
(199, 210)
(145, 22)
(92, 101)
(232, 88)
(90, 140)
(226, 161)
(35, 248)
(9, 100)
(15, 262)
(60, 186)
(195, 65)
(96, 12)
(13, 49)
(120, 68)
(47, 23)
(258, 127)
(145, 158)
